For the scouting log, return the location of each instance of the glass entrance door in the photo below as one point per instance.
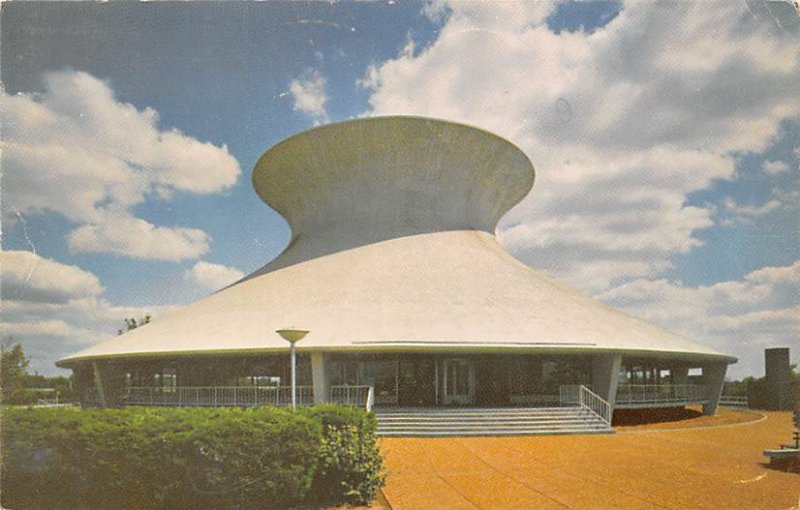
(458, 377)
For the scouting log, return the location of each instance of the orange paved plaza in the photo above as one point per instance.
(672, 465)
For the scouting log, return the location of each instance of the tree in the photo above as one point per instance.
(132, 323)
(13, 372)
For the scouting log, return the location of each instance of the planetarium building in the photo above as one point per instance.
(408, 299)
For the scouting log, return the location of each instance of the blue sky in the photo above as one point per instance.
(666, 152)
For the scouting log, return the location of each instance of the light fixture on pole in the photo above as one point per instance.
(293, 335)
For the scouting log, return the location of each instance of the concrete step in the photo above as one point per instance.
(497, 427)
(492, 433)
(436, 422)
(481, 415)
(481, 418)
(493, 420)
(472, 410)
(565, 423)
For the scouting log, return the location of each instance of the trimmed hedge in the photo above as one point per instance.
(187, 458)
(351, 467)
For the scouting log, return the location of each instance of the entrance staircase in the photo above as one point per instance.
(501, 421)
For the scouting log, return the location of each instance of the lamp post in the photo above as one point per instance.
(293, 335)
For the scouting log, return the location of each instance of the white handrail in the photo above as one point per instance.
(594, 403)
(661, 393)
(731, 401)
(370, 399)
(353, 395)
(570, 394)
(216, 396)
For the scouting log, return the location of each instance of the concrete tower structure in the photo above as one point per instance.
(778, 378)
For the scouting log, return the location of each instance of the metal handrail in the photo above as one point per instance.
(350, 395)
(661, 393)
(594, 403)
(370, 399)
(728, 400)
(570, 394)
(216, 396)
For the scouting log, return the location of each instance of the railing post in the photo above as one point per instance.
(595, 404)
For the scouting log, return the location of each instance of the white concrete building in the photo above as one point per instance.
(394, 269)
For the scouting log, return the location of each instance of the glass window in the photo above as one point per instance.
(169, 379)
(344, 372)
(382, 375)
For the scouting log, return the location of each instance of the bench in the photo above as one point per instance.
(784, 459)
(782, 454)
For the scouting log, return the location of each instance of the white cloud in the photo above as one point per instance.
(774, 167)
(309, 95)
(732, 213)
(622, 124)
(740, 317)
(74, 149)
(29, 277)
(139, 239)
(213, 276)
(49, 328)
(54, 309)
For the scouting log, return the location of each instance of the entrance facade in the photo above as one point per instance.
(407, 380)
(425, 380)
(458, 382)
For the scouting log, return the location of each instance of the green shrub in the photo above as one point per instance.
(351, 467)
(144, 458)
(157, 458)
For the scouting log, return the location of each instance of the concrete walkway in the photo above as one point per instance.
(710, 468)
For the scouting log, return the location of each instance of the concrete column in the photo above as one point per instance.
(84, 384)
(319, 377)
(110, 383)
(605, 375)
(713, 378)
(680, 374)
(98, 384)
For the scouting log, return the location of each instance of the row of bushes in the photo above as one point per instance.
(188, 458)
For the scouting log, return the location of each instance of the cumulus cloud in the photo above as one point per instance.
(741, 317)
(29, 277)
(212, 276)
(622, 123)
(774, 167)
(732, 212)
(76, 150)
(54, 309)
(309, 95)
(138, 238)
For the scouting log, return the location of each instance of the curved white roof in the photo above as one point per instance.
(393, 249)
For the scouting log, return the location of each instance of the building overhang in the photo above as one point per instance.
(434, 348)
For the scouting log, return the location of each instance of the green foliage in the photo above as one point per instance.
(351, 467)
(13, 371)
(738, 388)
(19, 387)
(132, 323)
(164, 458)
(63, 386)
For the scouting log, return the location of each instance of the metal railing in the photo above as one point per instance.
(661, 393)
(570, 394)
(594, 403)
(729, 401)
(370, 399)
(352, 395)
(216, 396)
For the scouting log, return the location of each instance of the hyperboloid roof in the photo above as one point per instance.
(393, 248)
